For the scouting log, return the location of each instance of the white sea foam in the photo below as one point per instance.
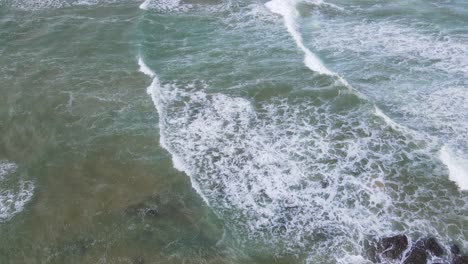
(390, 39)
(154, 91)
(457, 166)
(288, 169)
(287, 9)
(144, 5)
(55, 4)
(7, 167)
(291, 171)
(12, 201)
(409, 53)
(144, 68)
(13, 194)
(162, 5)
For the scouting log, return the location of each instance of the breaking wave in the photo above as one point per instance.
(290, 172)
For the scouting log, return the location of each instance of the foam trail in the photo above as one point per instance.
(458, 167)
(287, 9)
(154, 91)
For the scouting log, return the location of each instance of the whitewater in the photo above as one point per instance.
(272, 192)
(219, 131)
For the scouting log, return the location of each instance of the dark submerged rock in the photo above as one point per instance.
(148, 208)
(417, 255)
(392, 247)
(433, 247)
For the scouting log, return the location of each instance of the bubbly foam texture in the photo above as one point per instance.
(164, 5)
(13, 199)
(287, 9)
(445, 53)
(406, 50)
(310, 173)
(6, 168)
(288, 171)
(54, 4)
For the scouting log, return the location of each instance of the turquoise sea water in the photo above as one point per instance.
(254, 132)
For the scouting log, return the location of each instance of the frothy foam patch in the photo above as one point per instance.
(54, 4)
(13, 201)
(457, 166)
(384, 39)
(388, 58)
(163, 5)
(293, 172)
(287, 9)
(14, 197)
(7, 167)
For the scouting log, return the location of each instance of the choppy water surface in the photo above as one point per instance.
(251, 131)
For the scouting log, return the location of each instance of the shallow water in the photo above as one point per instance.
(262, 132)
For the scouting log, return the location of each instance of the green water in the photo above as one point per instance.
(274, 163)
(76, 118)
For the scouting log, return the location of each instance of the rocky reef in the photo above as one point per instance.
(401, 249)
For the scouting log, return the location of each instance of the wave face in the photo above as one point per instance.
(14, 195)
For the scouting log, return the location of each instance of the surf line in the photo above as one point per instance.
(288, 11)
(155, 91)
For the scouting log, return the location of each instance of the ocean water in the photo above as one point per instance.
(283, 131)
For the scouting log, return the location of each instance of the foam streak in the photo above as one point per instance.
(287, 9)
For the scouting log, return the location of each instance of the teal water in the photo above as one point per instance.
(260, 132)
